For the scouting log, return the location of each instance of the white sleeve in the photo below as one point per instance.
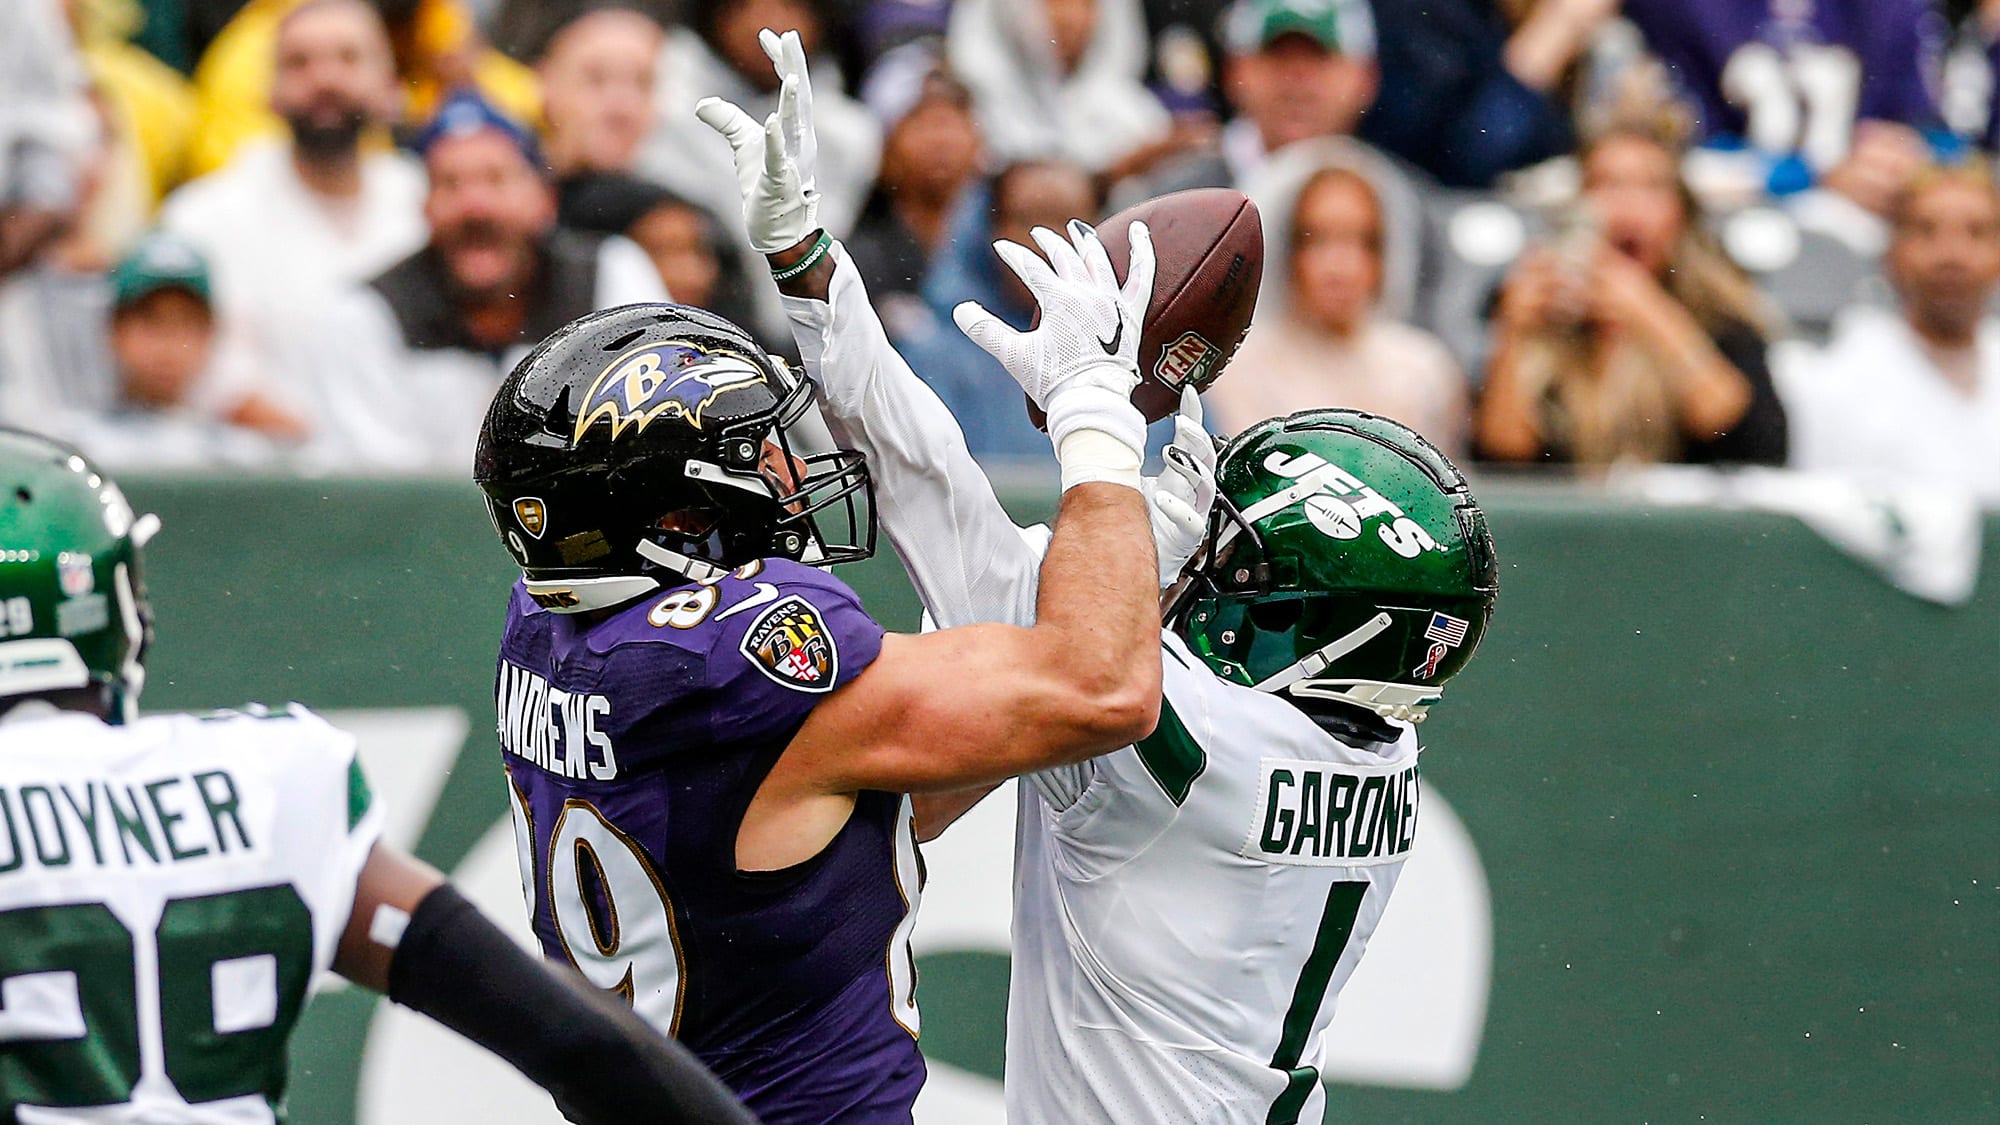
(966, 558)
(626, 276)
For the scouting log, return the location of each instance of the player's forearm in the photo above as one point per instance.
(1098, 613)
(963, 553)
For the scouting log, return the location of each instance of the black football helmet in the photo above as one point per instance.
(650, 445)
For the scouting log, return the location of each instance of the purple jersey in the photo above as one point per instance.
(634, 746)
(1893, 44)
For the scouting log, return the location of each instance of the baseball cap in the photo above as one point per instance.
(159, 261)
(466, 113)
(1344, 26)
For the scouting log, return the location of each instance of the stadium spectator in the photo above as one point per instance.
(1469, 86)
(692, 253)
(1296, 69)
(1913, 394)
(1319, 338)
(148, 108)
(400, 372)
(719, 55)
(1967, 73)
(597, 91)
(290, 223)
(437, 50)
(1833, 96)
(162, 347)
(53, 362)
(46, 128)
(523, 28)
(986, 401)
(1632, 339)
(1059, 78)
(930, 156)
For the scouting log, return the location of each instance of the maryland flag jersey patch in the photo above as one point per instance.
(790, 643)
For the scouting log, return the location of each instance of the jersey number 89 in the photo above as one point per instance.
(611, 911)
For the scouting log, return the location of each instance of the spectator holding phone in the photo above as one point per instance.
(1632, 339)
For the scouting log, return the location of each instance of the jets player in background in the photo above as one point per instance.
(708, 739)
(1185, 908)
(169, 886)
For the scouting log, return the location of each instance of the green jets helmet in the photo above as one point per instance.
(73, 612)
(1346, 560)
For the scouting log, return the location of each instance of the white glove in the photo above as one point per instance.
(1082, 361)
(1180, 497)
(777, 163)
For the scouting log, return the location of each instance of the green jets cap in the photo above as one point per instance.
(1345, 26)
(159, 261)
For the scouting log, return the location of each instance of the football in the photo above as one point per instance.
(1208, 246)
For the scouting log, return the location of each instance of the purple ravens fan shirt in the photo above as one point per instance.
(633, 745)
(1891, 43)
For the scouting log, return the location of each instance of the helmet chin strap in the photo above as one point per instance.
(1321, 658)
(1407, 702)
(698, 570)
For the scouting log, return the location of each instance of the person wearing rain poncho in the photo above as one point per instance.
(1054, 79)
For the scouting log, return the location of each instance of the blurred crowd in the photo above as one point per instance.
(313, 234)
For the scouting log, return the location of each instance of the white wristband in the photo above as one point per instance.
(1091, 456)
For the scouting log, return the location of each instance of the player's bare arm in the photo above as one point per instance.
(981, 703)
(985, 702)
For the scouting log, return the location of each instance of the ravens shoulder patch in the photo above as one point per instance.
(790, 643)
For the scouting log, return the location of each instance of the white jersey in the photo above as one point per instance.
(1185, 910)
(168, 891)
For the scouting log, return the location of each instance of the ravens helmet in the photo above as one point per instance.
(651, 445)
(1346, 561)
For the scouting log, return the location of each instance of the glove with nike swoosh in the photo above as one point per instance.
(1080, 363)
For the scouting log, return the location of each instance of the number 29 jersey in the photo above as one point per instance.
(633, 745)
(168, 890)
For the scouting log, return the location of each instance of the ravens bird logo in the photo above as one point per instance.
(661, 379)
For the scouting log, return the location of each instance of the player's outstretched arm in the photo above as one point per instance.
(981, 703)
(963, 554)
(966, 558)
(416, 939)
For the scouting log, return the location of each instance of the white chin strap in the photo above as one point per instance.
(1407, 702)
(581, 595)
